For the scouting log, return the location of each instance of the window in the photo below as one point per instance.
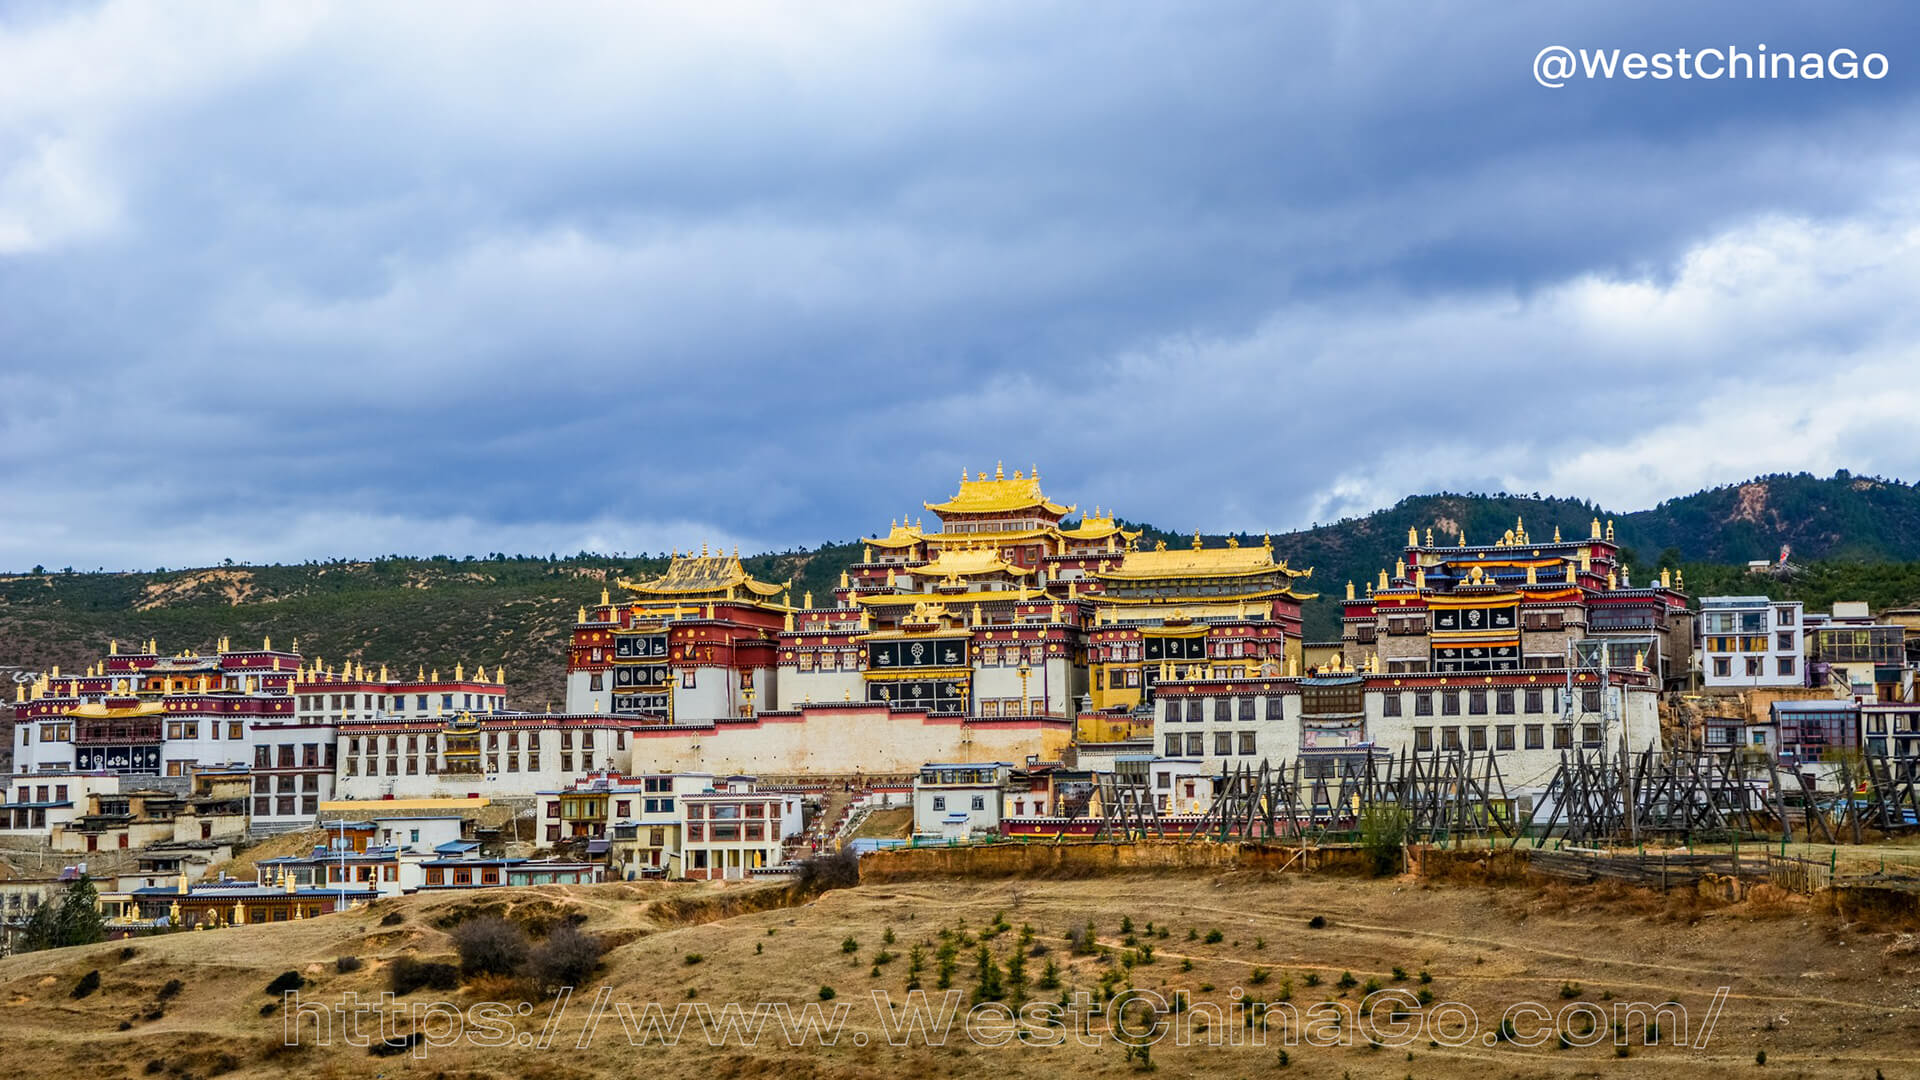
(1246, 743)
(1450, 737)
(1590, 700)
(1222, 710)
(1423, 704)
(1423, 738)
(1722, 666)
(1477, 702)
(1753, 665)
(979, 802)
(1196, 746)
(1503, 737)
(1173, 746)
(1563, 736)
(1477, 737)
(1390, 704)
(1450, 703)
(1273, 707)
(1503, 702)
(1222, 743)
(1783, 641)
(1590, 735)
(1246, 710)
(939, 802)
(1536, 737)
(1783, 616)
(1784, 664)
(1535, 700)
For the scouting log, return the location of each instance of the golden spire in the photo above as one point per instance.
(1429, 536)
(582, 616)
(603, 596)
(113, 647)
(976, 614)
(1595, 529)
(843, 579)
(1383, 579)
(1609, 530)
(1413, 536)
(383, 674)
(436, 675)
(1420, 577)
(1196, 539)
(806, 600)
(1533, 574)
(1586, 560)
(266, 644)
(499, 675)
(1349, 590)
(1666, 578)
(999, 473)
(1680, 579)
(1556, 534)
(1612, 581)
(421, 674)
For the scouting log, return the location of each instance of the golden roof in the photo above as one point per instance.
(968, 562)
(998, 495)
(1095, 527)
(98, 711)
(1227, 561)
(902, 535)
(695, 574)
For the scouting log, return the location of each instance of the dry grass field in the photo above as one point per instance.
(1821, 998)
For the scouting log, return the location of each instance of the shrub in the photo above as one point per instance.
(1425, 976)
(1399, 974)
(392, 918)
(1571, 990)
(346, 965)
(396, 1046)
(850, 946)
(171, 989)
(567, 958)
(128, 952)
(156, 1065)
(826, 993)
(1214, 937)
(834, 870)
(1760, 1058)
(1313, 978)
(887, 938)
(409, 974)
(285, 981)
(693, 958)
(490, 945)
(1383, 835)
(88, 984)
(1347, 981)
(1318, 922)
(269, 1008)
(1259, 975)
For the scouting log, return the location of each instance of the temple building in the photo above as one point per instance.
(267, 711)
(695, 642)
(1517, 604)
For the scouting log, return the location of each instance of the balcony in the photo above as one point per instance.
(117, 732)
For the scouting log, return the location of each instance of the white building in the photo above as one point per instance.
(958, 799)
(1748, 642)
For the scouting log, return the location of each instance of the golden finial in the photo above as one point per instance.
(421, 674)
(976, 615)
(1609, 530)
(806, 600)
(1586, 560)
(1666, 578)
(1383, 579)
(1196, 539)
(436, 675)
(703, 549)
(1159, 545)
(1556, 534)
(963, 476)
(1034, 472)
(789, 621)
(1420, 577)
(999, 473)
(1680, 579)
(1595, 529)
(1613, 581)
(1413, 536)
(581, 616)
(1429, 536)
(1017, 475)
(1349, 590)
(843, 579)
(1533, 574)
(459, 672)
(1266, 541)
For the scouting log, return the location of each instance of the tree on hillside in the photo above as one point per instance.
(74, 919)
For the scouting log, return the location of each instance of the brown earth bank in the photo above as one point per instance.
(1819, 995)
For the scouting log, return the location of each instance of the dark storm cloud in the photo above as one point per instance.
(349, 280)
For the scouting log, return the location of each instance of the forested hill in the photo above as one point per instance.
(1857, 538)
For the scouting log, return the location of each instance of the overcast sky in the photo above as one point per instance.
(296, 280)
